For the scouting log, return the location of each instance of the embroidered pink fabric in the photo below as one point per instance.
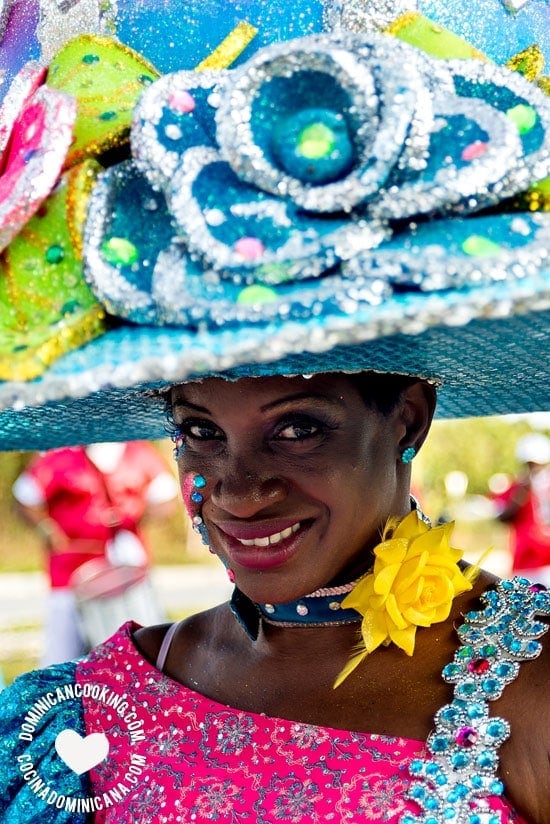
(176, 757)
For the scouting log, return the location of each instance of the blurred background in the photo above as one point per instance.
(458, 475)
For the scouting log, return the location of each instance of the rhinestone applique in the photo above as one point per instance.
(451, 785)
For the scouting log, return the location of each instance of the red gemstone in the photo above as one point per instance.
(466, 737)
(479, 666)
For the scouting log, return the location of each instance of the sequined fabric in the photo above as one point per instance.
(18, 801)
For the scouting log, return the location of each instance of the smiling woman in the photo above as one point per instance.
(285, 481)
(288, 259)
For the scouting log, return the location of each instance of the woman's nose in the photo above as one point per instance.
(244, 490)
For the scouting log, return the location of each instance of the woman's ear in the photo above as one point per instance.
(417, 408)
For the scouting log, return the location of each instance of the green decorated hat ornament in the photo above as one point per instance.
(339, 201)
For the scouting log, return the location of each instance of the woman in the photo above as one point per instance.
(268, 272)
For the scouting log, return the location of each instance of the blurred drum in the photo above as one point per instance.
(108, 596)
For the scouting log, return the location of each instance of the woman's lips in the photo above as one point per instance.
(261, 547)
(273, 538)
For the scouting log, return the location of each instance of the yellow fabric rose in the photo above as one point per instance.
(413, 583)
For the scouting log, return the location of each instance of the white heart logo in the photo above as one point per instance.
(81, 754)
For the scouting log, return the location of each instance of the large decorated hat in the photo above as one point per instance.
(250, 188)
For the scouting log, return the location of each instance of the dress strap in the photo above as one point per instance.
(165, 646)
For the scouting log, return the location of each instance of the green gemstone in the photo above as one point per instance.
(55, 254)
(110, 115)
(256, 294)
(316, 141)
(119, 252)
(145, 79)
(478, 246)
(523, 117)
(90, 58)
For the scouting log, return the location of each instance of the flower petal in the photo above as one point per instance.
(384, 579)
(404, 638)
(394, 612)
(374, 629)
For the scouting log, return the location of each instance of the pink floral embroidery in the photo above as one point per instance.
(192, 759)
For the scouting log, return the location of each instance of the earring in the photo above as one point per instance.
(408, 454)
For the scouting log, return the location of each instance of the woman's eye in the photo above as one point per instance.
(200, 431)
(298, 431)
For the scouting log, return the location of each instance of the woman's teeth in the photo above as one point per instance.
(269, 540)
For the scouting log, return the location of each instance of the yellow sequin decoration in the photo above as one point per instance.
(420, 31)
(229, 49)
(529, 63)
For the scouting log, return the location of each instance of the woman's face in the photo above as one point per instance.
(300, 478)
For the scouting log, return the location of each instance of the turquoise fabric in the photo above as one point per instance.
(19, 804)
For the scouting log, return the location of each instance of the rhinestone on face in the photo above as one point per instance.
(334, 605)
(301, 609)
(269, 608)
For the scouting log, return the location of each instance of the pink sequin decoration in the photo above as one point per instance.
(249, 248)
(187, 488)
(476, 149)
(181, 101)
(22, 88)
(38, 145)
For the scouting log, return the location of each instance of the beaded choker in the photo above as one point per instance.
(321, 608)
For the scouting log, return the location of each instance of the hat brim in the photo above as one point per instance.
(484, 347)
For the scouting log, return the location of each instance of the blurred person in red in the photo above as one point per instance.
(88, 503)
(524, 506)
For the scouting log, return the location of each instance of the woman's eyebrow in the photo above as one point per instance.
(189, 405)
(301, 396)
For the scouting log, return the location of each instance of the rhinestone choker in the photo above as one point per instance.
(321, 608)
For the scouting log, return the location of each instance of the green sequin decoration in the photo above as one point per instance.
(90, 58)
(256, 294)
(523, 117)
(119, 252)
(316, 141)
(478, 246)
(55, 254)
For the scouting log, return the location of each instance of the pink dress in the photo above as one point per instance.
(177, 757)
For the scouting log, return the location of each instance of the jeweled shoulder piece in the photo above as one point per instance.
(451, 785)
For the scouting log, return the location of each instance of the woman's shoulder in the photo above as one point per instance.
(190, 631)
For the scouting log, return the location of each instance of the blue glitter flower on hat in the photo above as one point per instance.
(309, 178)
